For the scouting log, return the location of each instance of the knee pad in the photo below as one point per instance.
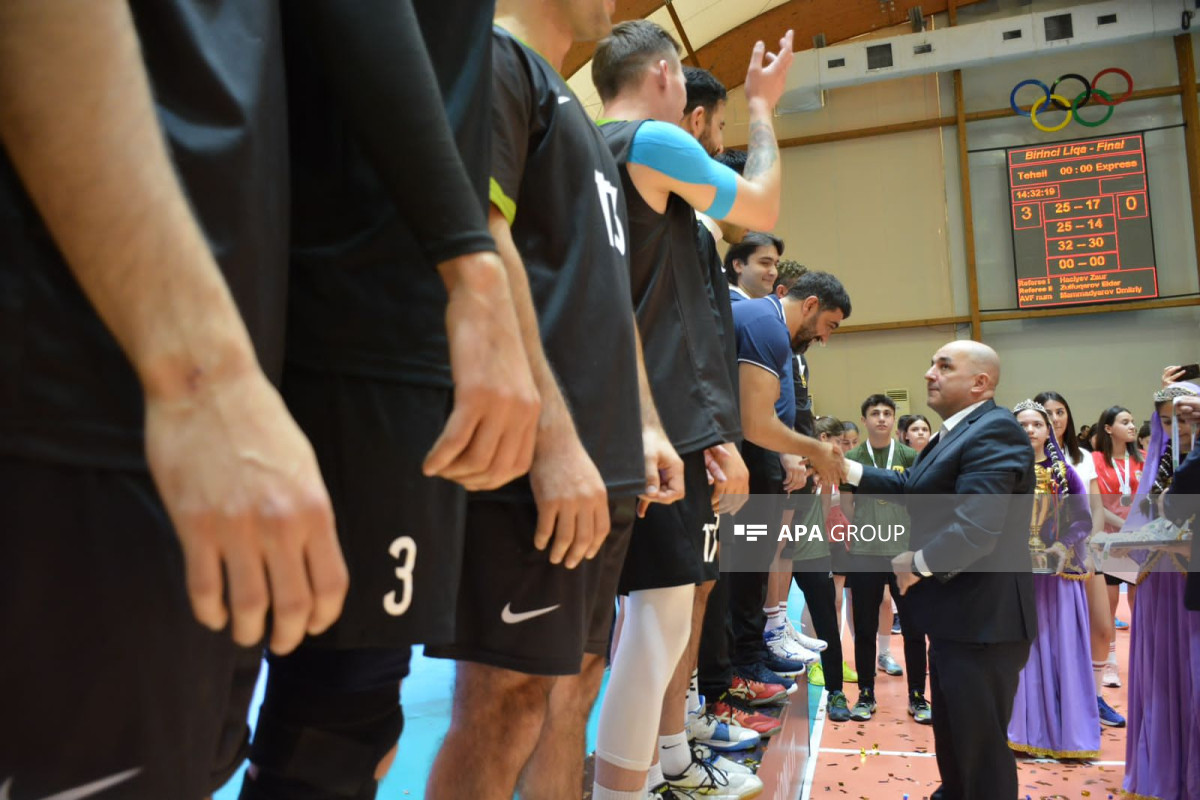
(315, 745)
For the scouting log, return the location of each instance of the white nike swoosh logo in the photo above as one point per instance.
(563, 99)
(509, 617)
(87, 790)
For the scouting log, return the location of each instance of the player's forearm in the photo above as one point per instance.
(78, 122)
(555, 416)
(763, 168)
(645, 393)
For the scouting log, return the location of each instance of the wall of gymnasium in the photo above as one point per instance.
(885, 215)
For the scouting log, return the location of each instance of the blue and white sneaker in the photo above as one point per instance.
(726, 737)
(781, 646)
(807, 642)
(1108, 716)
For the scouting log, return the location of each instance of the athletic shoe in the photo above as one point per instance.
(783, 667)
(896, 625)
(1120, 624)
(702, 779)
(807, 642)
(761, 671)
(719, 761)
(849, 675)
(919, 710)
(1109, 676)
(716, 734)
(889, 665)
(864, 709)
(838, 707)
(816, 675)
(781, 648)
(1108, 716)
(756, 693)
(664, 792)
(730, 711)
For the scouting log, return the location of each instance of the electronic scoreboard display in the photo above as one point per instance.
(1081, 222)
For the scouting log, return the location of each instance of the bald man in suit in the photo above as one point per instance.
(968, 580)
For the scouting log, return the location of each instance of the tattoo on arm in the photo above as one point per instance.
(764, 151)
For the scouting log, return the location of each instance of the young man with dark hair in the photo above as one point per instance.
(870, 567)
(666, 173)
(751, 265)
(533, 627)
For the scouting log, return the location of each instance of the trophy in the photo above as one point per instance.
(1043, 503)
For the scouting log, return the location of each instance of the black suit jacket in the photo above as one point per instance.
(966, 542)
(1187, 482)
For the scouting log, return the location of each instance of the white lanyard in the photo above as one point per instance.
(1123, 478)
(891, 452)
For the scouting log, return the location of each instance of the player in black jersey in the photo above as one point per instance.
(666, 174)
(539, 574)
(404, 361)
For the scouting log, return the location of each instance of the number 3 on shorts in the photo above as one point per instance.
(404, 550)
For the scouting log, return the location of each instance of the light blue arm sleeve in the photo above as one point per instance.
(672, 151)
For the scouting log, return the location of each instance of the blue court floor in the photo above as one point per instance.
(427, 695)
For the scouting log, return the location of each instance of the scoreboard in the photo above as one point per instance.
(1081, 222)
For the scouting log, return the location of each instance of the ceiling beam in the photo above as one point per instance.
(728, 55)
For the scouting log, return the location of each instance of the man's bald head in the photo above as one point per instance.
(961, 373)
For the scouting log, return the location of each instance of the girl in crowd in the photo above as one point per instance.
(1118, 465)
(1100, 618)
(1162, 750)
(1053, 714)
(916, 434)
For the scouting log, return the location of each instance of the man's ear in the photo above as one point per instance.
(812, 305)
(694, 121)
(781, 291)
(662, 74)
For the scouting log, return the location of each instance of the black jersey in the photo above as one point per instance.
(718, 297)
(67, 392)
(685, 360)
(805, 419)
(366, 298)
(559, 188)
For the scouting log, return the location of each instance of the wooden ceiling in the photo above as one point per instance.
(727, 55)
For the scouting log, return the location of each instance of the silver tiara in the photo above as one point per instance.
(1029, 405)
(1173, 391)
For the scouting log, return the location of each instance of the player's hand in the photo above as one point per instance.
(906, 575)
(571, 498)
(489, 438)
(242, 487)
(827, 462)
(766, 82)
(664, 470)
(733, 492)
(794, 473)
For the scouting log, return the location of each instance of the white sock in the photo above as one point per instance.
(783, 608)
(654, 777)
(1112, 653)
(885, 644)
(600, 793)
(693, 697)
(775, 618)
(1097, 672)
(674, 754)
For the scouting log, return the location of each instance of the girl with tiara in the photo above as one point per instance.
(1054, 713)
(1162, 751)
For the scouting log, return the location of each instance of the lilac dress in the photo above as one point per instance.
(1055, 712)
(1162, 748)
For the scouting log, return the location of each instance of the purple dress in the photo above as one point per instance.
(1162, 748)
(1055, 712)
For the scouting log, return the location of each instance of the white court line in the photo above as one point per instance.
(814, 746)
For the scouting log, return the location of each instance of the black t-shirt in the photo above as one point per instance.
(718, 298)
(366, 298)
(67, 392)
(559, 188)
(685, 359)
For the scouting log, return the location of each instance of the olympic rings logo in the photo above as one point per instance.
(1091, 92)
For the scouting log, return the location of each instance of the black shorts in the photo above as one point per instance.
(840, 558)
(519, 612)
(401, 532)
(677, 544)
(1113, 580)
(105, 672)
